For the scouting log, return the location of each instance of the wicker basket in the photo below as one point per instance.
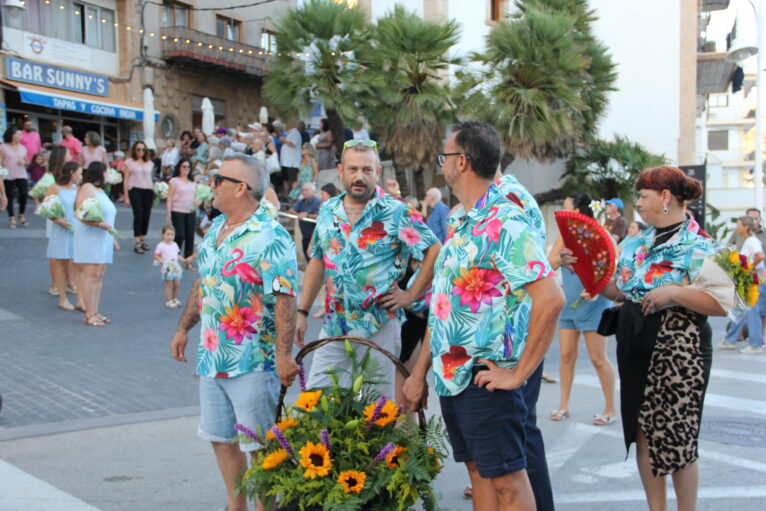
(357, 340)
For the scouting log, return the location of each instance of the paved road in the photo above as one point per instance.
(104, 419)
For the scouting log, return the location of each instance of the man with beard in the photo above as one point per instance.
(362, 243)
(31, 140)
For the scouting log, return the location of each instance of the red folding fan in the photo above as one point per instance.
(592, 245)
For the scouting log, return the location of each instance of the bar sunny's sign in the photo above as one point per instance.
(57, 77)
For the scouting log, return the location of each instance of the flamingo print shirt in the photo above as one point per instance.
(479, 308)
(642, 268)
(239, 281)
(363, 261)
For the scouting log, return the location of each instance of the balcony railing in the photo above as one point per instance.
(184, 43)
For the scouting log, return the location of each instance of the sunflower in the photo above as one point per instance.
(284, 424)
(308, 400)
(274, 459)
(392, 458)
(352, 481)
(316, 459)
(388, 413)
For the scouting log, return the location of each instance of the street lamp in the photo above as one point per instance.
(738, 52)
(14, 7)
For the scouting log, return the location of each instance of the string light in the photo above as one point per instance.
(77, 11)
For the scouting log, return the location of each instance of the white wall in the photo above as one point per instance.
(644, 39)
(381, 7)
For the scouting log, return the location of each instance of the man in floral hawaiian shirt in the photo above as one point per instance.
(494, 311)
(363, 241)
(245, 297)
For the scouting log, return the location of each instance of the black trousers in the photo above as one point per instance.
(537, 465)
(184, 224)
(141, 202)
(20, 188)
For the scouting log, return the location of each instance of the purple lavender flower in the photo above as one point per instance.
(249, 433)
(385, 451)
(376, 412)
(282, 441)
(302, 376)
(325, 436)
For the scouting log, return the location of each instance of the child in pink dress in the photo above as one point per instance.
(167, 255)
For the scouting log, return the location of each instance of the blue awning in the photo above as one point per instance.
(81, 103)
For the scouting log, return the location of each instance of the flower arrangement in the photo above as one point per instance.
(38, 191)
(598, 207)
(3, 173)
(53, 209)
(344, 448)
(742, 272)
(113, 176)
(90, 211)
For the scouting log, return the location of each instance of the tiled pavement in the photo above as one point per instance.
(53, 368)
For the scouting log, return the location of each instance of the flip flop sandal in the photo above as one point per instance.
(23, 222)
(104, 318)
(559, 415)
(93, 321)
(603, 420)
(66, 306)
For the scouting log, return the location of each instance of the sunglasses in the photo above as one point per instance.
(218, 179)
(140, 149)
(368, 143)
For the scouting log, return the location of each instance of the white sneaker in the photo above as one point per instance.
(170, 304)
(751, 350)
(726, 345)
(176, 302)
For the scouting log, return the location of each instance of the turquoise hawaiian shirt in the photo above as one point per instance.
(239, 282)
(517, 193)
(479, 307)
(364, 261)
(642, 268)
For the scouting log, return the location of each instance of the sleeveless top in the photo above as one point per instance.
(183, 195)
(140, 174)
(13, 160)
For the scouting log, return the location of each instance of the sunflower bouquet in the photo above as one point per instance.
(52, 208)
(745, 278)
(38, 191)
(90, 211)
(341, 448)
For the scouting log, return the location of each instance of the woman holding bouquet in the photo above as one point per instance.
(179, 207)
(93, 244)
(670, 285)
(60, 239)
(13, 156)
(139, 192)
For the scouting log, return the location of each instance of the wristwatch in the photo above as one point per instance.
(304, 312)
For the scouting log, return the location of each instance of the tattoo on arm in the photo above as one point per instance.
(190, 317)
(284, 320)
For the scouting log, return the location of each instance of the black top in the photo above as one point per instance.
(663, 234)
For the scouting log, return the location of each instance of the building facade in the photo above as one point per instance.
(86, 64)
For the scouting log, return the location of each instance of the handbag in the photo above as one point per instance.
(272, 164)
(609, 319)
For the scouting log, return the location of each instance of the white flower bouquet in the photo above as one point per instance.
(90, 211)
(160, 192)
(113, 176)
(3, 173)
(52, 208)
(202, 194)
(38, 191)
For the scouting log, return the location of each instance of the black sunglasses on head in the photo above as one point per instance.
(218, 179)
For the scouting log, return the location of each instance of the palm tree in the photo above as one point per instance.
(316, 61)
(406, 60)
(543, 80)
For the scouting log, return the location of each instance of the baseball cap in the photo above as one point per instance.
(617, 202)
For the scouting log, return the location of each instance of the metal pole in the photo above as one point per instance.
(758, 171)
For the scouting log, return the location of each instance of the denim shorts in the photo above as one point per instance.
(249, 399)
(487, 428)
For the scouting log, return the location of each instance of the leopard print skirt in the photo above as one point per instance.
(676, 380)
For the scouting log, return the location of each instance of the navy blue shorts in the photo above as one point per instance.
(487, 428)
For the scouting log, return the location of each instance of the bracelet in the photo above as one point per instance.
(303, 311)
